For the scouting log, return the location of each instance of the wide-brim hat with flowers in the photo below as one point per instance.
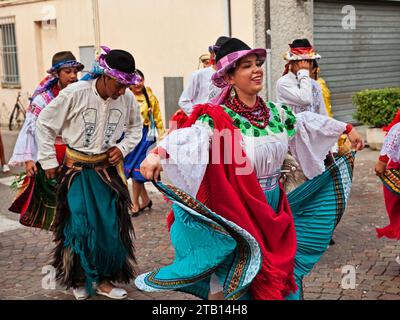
(229, 54)
(301, 49)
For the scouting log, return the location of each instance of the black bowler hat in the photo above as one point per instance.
(300, 43)
(121, 60)
(227, 56)
(220, 41)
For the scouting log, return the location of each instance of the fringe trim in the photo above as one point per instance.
(272, 285)
(67, 263)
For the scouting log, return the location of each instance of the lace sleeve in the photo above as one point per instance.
(315, 136)
(188, 151)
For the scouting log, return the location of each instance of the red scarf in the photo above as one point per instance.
(240, 199)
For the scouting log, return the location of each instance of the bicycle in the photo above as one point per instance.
(18, 115)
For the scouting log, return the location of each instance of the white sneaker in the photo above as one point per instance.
(6, 168)
(80, 293)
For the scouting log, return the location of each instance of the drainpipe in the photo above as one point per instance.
(228, 18)
(96, 26)
(268, 47)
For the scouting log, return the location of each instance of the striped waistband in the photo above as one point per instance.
(269, 182)
(74, 158)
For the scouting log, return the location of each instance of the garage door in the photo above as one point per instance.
(355, 59)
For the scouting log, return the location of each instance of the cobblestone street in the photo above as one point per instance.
(24, 251)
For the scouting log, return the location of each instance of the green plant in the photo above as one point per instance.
(376, 107)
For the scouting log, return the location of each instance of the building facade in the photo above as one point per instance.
(166, 38)
(359, 43)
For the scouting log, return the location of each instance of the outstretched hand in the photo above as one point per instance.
(357, 141)
(151, 167)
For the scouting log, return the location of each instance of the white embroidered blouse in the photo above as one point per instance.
(391, 145)
(307, 135)
(301, 93)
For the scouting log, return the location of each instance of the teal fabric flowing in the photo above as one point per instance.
(206, 243)
(92, 230)
(317, 206)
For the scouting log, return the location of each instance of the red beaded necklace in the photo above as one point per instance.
(257, 116)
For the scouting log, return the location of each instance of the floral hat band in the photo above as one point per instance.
(125, 78)
(301, 53)
(65, 64)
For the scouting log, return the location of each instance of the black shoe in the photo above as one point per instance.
(134, 213)
(148, 205)
(332, 242)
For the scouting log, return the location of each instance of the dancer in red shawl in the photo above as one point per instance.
(232, 227)
(388, 169)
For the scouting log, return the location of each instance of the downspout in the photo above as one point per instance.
(96, 26)
(228, 18)
(268, 47)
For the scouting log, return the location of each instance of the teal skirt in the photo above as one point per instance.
(205, 243)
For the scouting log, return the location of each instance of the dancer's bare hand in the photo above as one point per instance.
(380, 168)
(30, 168)
(357, 141)
(114, 155)
(151, 167)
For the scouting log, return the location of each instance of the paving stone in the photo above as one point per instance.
(24, 251)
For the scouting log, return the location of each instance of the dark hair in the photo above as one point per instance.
(144, 91)
(140, 73)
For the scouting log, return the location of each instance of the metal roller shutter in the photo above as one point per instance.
(363, 58)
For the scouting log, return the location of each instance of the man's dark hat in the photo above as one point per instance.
(300, 43)
(121, 60)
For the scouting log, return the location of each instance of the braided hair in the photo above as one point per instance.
(144, 91)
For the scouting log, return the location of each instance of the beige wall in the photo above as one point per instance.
(297, 23)
(74, 29)
(166, 37)
(289, 20)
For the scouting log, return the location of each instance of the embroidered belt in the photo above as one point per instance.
(79, 160)
(269, 182)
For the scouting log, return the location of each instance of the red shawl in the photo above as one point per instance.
(240, 199)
